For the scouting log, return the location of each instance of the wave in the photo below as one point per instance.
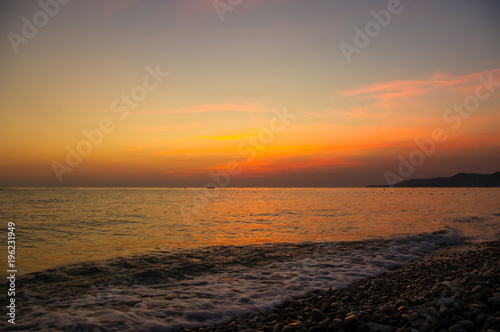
(472, 219)
(207, 286)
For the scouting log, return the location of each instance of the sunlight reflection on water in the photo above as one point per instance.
(60, 226)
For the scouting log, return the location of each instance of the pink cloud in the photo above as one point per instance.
(399, 89)
(182, 127)
(247, 108)
(359, 112)
(315, 115)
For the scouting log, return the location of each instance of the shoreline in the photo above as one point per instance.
(75, 296)
(454, 288)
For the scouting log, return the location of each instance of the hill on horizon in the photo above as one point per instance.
(457, 180)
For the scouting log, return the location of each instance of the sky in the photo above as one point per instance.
(249, 93)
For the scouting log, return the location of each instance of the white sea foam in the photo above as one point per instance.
(213, 298)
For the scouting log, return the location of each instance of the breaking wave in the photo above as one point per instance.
(205, 286)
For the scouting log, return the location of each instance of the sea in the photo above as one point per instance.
(158, 259)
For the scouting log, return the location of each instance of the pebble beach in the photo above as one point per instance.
(455, 288)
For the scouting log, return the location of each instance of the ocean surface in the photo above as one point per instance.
(158, 259)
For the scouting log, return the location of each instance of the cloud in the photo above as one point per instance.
(413, 99)
(316, 115)
(226, 137)
(210, 108)
(408, 88)
(177, 127)
(358, 112)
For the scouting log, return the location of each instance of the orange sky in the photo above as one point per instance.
(149, 93)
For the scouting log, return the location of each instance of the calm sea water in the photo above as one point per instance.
(159, 259)
(60, 226)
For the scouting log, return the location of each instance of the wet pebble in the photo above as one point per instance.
(456, 291)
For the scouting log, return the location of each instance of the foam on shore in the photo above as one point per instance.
(211, 298)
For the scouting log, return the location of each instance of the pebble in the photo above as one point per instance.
(291, 327)
(477, 289)
(494, 300)
(316, 315)
(448, 303)
(467, 324)
(455, 292)
(456, 328)
(374, 327)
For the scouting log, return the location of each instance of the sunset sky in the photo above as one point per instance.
(286, 92)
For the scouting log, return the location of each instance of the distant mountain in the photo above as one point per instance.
(458, 180)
